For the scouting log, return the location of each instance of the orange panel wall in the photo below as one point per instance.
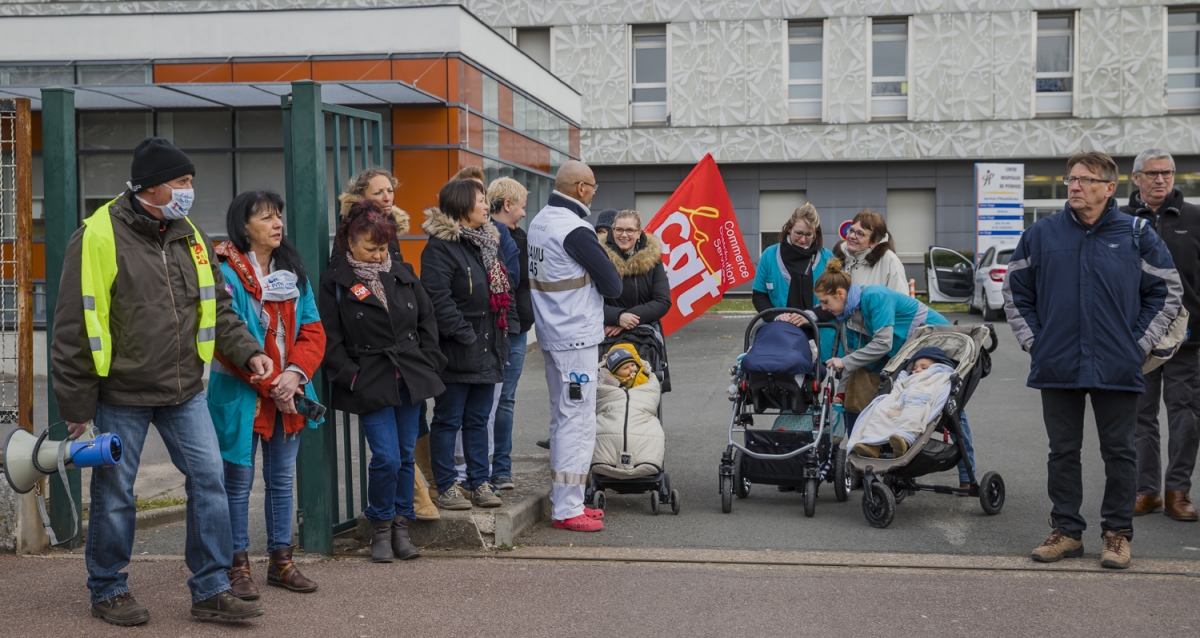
(411, 250)
(427, 75)
(271, 71)
(419, 125)
(574, 133)
(506, 105)
(474, 87)
(218, 72)
(347, 70)
(420, 173)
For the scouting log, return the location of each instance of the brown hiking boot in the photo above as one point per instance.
(282, 572)
(868, 451)
(1056, 548)
(1146, 503)
(240, 582)
(1178, 505)
(226, 606)
(121, 610)
(1115, 554)
(899, 444)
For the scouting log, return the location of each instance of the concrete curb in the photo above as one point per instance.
(476, 528)
(153, 518)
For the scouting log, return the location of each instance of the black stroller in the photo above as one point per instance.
(889, 479)
(649, 343)
(798, 455)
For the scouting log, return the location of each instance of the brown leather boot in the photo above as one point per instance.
(1178, 505)
(422, 503)
(282, 572)
(1146, 503)
(423, 462)
(240, 582)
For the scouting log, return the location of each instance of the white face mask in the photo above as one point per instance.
(178, 207)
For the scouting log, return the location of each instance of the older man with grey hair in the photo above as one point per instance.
(1177, 382)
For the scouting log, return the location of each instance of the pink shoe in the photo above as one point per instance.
(581, 523)
(591, 513)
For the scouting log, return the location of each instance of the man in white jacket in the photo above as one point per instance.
(569, 276)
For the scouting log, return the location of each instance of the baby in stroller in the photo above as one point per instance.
(899, 417)
(629, 436)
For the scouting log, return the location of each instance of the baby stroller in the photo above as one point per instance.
(886, 481)
(610, 468)
(782, 378)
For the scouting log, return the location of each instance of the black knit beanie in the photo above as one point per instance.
(157, 161)
(605, 218)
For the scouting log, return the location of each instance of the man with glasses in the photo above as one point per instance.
(1178, 380)
(1088, 300)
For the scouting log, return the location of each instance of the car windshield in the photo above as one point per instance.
(1002, 258)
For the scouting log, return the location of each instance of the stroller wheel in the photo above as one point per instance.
(991, 493)
(600, 500)
(675, 502)
(741, 485)
(726, 494)
(810, 497)
(898, 491)
(654, 502)
(879, 505)
(843, 480)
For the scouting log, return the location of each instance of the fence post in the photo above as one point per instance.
(60, 210)
(308, 220)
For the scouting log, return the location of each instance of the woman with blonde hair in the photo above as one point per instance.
(868, 254)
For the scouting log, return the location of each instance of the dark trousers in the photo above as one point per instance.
(1177, 382)
(1116, 419)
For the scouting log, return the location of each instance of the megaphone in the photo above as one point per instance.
(28, 458)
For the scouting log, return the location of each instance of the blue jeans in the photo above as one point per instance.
(279, 474)
(963, 477)
(503, 427)
(191, 440)
(392, 434)
(464, 406)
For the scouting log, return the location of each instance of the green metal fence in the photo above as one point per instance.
(332, 468)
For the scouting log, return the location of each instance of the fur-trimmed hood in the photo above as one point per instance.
(438, 224)
(346, 200)
(642, 261)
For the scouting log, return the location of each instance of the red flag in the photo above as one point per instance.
(703, 249)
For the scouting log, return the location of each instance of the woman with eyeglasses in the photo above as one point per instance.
(645, 293)
(787, 270)
(868, 253)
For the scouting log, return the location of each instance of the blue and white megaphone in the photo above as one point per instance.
(27, 458)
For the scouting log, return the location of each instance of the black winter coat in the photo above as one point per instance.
(524, 299)
(365, 345)
(1178, 224)
(453, 274)
(645, 290)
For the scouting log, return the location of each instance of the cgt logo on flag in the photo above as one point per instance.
(703, 250)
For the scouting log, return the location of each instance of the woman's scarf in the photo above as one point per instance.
(797, 269)
(853, 297)
(368, 273)
(499, 288)
(278, 311)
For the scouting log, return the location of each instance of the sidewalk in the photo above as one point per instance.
(501, 596)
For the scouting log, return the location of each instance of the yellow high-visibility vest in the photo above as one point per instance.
(98, 271)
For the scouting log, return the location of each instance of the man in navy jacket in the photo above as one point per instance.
(1088, 298)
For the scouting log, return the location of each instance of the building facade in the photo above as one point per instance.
(882, 104)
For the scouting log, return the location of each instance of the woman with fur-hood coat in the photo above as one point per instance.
(645, 292)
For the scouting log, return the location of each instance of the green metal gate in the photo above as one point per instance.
(313, 130)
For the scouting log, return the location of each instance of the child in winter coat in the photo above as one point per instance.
(625, 366)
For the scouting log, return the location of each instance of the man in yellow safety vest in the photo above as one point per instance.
(141, 308)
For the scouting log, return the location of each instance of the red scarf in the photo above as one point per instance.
(304, 350)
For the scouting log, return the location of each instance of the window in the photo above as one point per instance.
(1183, 60)
(805, 70)
(535, 43)
(648, 204)
(1055, 68)
(650, 74)
(889, 68)
(912, 222)
(774, 209)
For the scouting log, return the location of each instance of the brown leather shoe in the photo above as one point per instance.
(240, 582)
(1179, 506)
(1146, 503)
(282, 572)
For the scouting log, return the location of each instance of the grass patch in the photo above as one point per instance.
(943, 307)
(733, 305)
(144, 504)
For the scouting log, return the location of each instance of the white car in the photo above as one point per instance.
(952, 278)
